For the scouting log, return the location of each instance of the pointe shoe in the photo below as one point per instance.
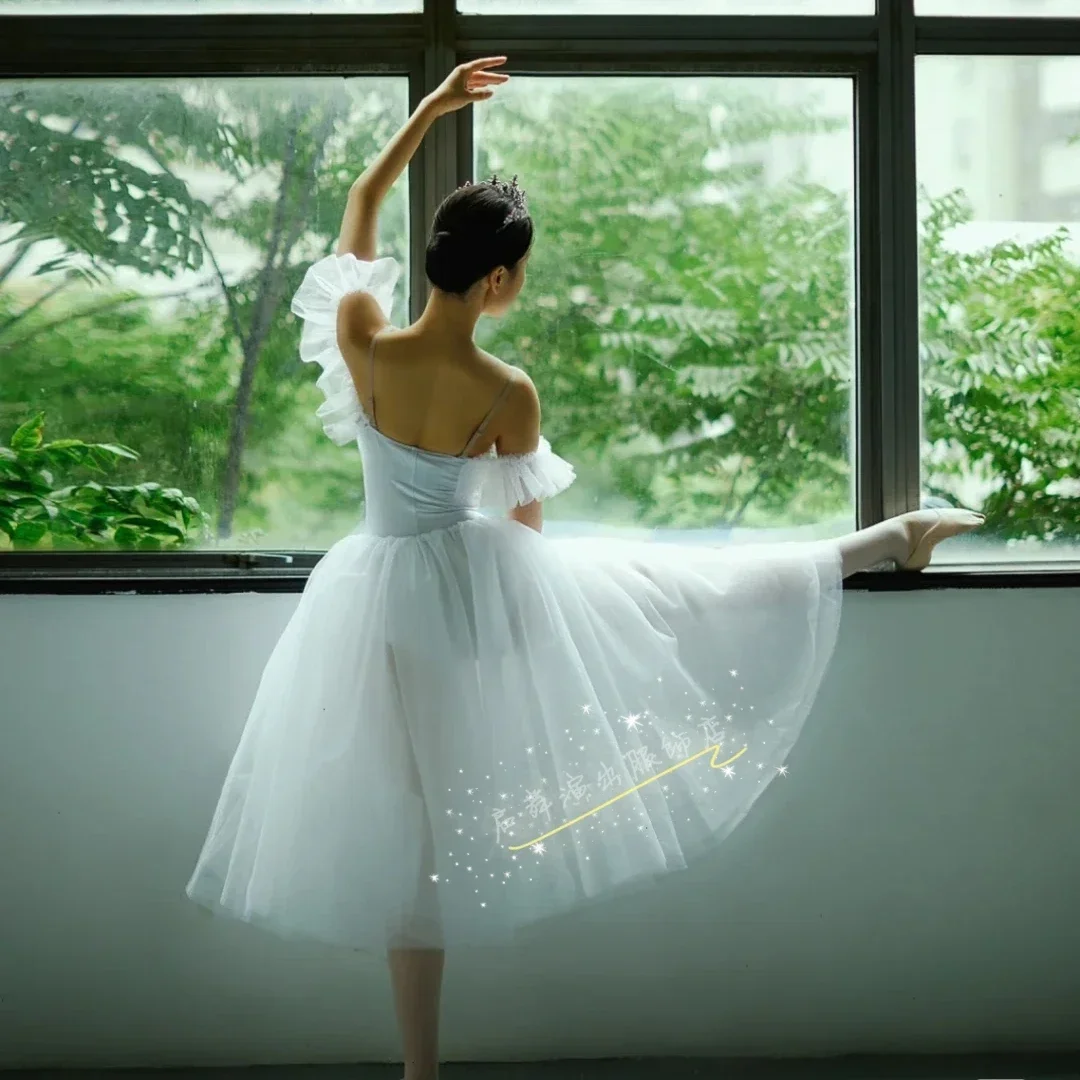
(949, 523)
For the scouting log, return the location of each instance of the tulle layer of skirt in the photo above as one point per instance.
(466, 731)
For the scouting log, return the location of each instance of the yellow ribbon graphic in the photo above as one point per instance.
(652, 779)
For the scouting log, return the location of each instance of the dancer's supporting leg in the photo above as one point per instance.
(416, 960)
(416, 975)
(414, 946)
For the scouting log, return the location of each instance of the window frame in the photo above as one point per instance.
(877, 51)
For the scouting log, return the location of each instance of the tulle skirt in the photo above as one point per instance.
(466, 731)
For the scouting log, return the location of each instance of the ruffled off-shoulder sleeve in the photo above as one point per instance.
(316, 302)
(503, 481)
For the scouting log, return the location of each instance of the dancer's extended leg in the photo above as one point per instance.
(905, 539)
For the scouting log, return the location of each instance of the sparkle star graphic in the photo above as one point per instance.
(528, 749)
(539, 849)
(733, 673)
(729, 771)
(434, 877)
(782, 770)
(586, 709)
(630, 720)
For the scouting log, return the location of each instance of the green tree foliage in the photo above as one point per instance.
(36, 513)
(1001, 375)
(135, 172)
(68, 175)
(112, 368)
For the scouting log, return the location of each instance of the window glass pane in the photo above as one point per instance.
(999, 173)
(667, 7)
(204, 7)
(152, 236)
(688, 315)
(976, 8)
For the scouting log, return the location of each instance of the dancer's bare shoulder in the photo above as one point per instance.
(517, 427)
(359, 319)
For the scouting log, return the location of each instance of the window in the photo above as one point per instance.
(153, 235)
(1000, 273)
(668, 7)
(205, 7)
(749, 312)
(1000, 8)
(689, 313)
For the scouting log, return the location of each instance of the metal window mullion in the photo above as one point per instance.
(869, 302)
(892, 399)
(435, 166)
(517, 35)
(557, 62)
(151, 46)
(967, 35)
(676, 50)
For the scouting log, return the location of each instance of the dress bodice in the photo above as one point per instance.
(408, 490)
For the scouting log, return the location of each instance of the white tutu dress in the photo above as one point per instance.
(466, 726)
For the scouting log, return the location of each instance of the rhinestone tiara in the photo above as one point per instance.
(520, 208)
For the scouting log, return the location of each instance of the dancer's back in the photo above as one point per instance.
(432, 388)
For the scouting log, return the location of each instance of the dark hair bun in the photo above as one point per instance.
(476, 228)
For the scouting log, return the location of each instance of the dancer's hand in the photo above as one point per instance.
(468, 83)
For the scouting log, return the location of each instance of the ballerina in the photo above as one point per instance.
(467, 727)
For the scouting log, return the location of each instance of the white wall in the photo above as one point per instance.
(912, 885)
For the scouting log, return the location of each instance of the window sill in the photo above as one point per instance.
(1003, 575)
(156, 572)
(287, 572)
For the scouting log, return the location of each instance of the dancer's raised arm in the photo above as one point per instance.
(465, 84)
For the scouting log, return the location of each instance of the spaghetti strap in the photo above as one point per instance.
(371, 378)
(490, 413)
